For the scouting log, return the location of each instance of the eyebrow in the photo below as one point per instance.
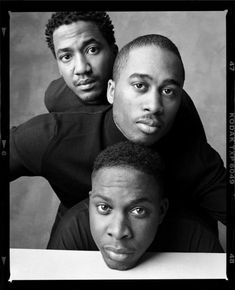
(84, 44)
(140, 200)
(146, 76)
(138, 75)
(95, 195)
(61, 50)
(131, 202)
(171, 82)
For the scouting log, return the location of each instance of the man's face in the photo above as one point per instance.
(84, 58)
(147, 94)
(125, 210)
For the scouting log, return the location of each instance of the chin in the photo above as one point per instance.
(119, 266)
(146, 140)
(90, 99)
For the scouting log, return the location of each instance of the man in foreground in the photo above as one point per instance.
(127, 203)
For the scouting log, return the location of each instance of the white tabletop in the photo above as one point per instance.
(28, 264)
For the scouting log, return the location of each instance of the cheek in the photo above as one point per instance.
(65, 71)
(121, 117)
(171, 110)
(124, 105)
(145, 231)
(103, 65)
(97, 227)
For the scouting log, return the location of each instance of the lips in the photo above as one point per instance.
(149, 124)
(118, 254)
(83, 82)
(152, 122)
(119, 250)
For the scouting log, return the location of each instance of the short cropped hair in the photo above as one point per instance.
(100, 18)
(145, 40)
(131, 155)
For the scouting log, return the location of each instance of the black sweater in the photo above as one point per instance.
(62, 147)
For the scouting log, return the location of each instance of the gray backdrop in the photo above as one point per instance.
(200, 37)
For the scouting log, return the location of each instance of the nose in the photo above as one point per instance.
(153, 103)
(119, 228)
(81, 64)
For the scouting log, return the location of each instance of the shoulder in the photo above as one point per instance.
(28, 144)
(75, 223)
(77, 210)
(36, 127)
(75, 219)
(188, 122)
(186, 232)
(73, 231)
(37, 120)
(86, 112)
(55, 86)
(81, 120)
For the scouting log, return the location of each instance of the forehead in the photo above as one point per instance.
(80, 30)
(125, 182)
(154, 61)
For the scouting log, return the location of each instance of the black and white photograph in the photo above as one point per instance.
(117, 144)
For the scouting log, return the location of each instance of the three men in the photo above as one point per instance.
(62, 147)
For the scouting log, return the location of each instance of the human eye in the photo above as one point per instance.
(103, 209)
(171, 92)
(65, 57)
(139, 86)
(168, 92)
(139, 212)
(94, 49)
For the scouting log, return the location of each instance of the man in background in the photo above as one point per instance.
(89, 48)
(84, 46)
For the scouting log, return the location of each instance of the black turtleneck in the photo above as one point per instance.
(62, 147)
(60, 98)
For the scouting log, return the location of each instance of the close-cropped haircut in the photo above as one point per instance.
(131, 155)
(141, 41)
(100, 18)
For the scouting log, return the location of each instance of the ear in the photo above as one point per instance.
(110, 91)
(164, 204)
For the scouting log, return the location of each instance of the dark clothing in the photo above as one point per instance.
(181, 232)
(60, 98)
(62, 147)
(73, 231)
